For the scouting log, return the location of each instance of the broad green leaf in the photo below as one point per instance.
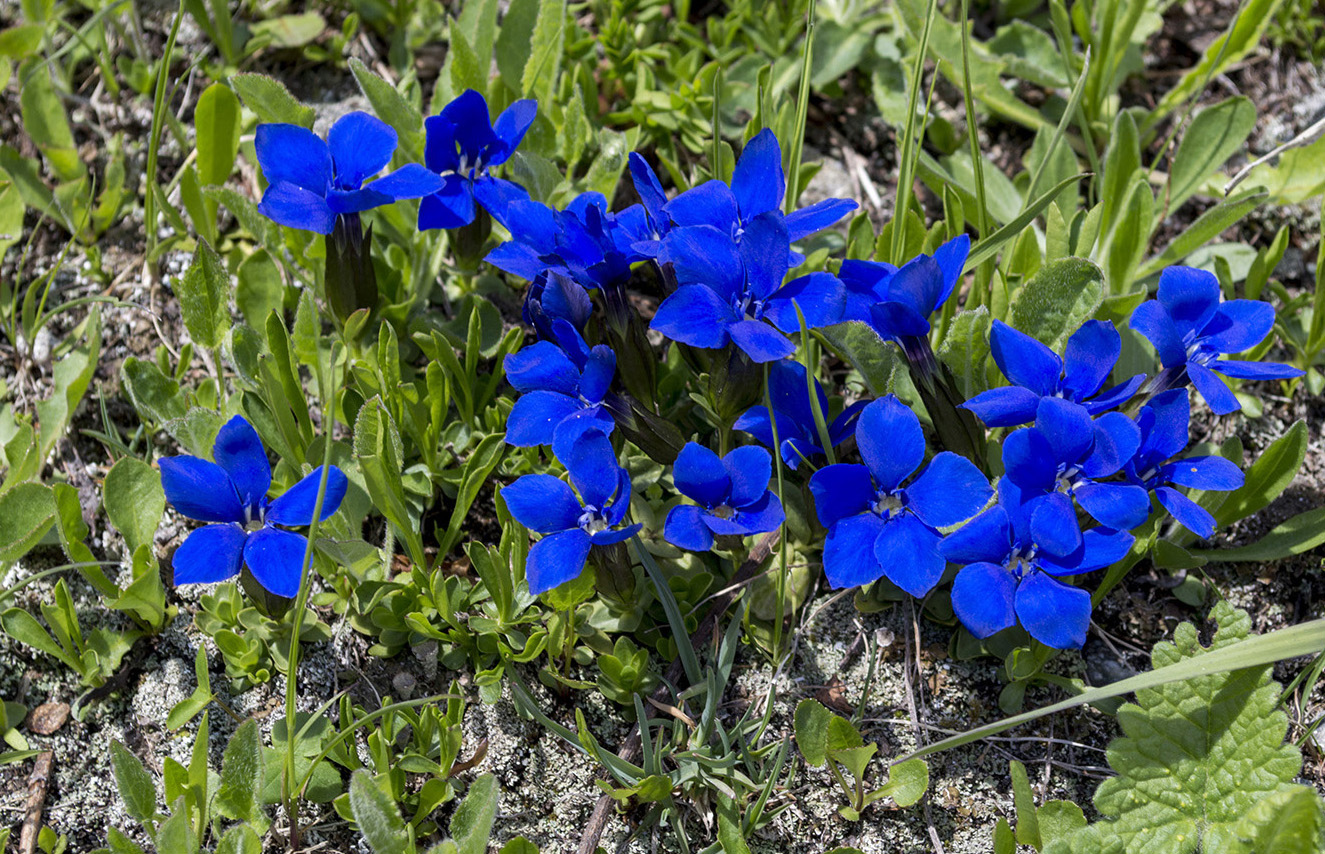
(217, 120)
(21, 41)
(45, 121)
(1205, 228)
(1213, 137)
(134, 501)
(477, 468)
(204, 297)
(545, 49)
(240, 839)
(478, 22)
(119, 843)
(26, 513)
(391, 107)
(1122, 168)
(1287, 822)
(153, 394)
(11, 213)
(811, 730)
(519, 845)
(176, 833)
(72, 375)
(1030, 54)
(1298, 176)
(270, 100)
(1023, 800)
(1057, 819)
(1195, 757)
(907, 782)
(1130, 238)
(965, 350)
(730, 836)
(471, 826)
(135, 784)
(24, 628)
(517, 31)
(238, 796)
(467, 70)
(1268, 476)
(1298, 535)
(376, 814)
(260, 290)
(286, 31)
(877, 361)
(1057, 300)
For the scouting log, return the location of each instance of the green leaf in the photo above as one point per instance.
(154, 395)
(45, 121)
(877, 360)
(965, 350)
(391, 107)
(730, 836)
(811, 731)
(217, 120)
(134, 501)
(72, 375)
(203, 293)
(1023, 799)
(378, 449)
(24, 628)
(240, 839)
(11, 213)
(1057, 819)
(270, 100)
(119, 843)
(26, 513)
(907, 782)
(477, 468)
(135, 784)
(540, 73)
(471, 826)
(1213, 137)
(517, 30)
(1057, 300)
(286, 31)
(1287, 822)
(191, 706)
(1196, 756)
(377, 817)
(239, 794)
(519, 845)
(260, 290)
(176, 833)
(1298, 535)
(1205, 228)
(1267, 477)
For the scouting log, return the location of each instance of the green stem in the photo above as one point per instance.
(782, 541)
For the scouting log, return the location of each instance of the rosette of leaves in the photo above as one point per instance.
(1202, 765)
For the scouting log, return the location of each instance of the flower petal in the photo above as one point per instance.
(1054, 526)
(542, 503)
(510, 128)
(1115, 396)
(1117, 439)
(821, 298)
(1067, 426)
(1170, 413)
(1122, 506)
(982, 598)
(556, 559)
(440, 154)
(918, 284)
(592, 465)
(497, 197)
(1238, 325)
(761, 342)
(1218, 396)
(355, 201)
(1009, 406)
(757, 517)
(849, 559)
(361, 145)
(1255, 370)
(200, 490)
(908, 552)
(710, 203)
(701, 475)
(1028, 460)
(649, 189)
(763, 251)
(840, 491)
(1024, 360)
(542, 366)
(1089, 357)
(239, 451)
(468, 113)
(536, 415)
(950, 490)
(620, 535)
(290, 154)
(695, 315)
(816, 217)
(211, 553)
(685, 528)
(290, 205)
(1153, 322)
(1053, 613)
(951, 258)
(1190, 297)
(757, 181)
(750, 469)
(1189, 514)
(890, 440)
(276, 559)
(1213, 473)
(295, 506)
(985, 539)
(599, 370)
(411, 181)
(450, 207)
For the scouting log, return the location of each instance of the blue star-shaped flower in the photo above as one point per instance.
(554, 296)
(797, 433)
(1191, 328)
(731, 494)
(920, 287)
(311, 182)
(556, 382)
(1038, 373)
(1012, 556)
(657, 222)
(877, 526)
(586, 241)
(461, 145)
(231, 493)
(572, 526)
(1163, 424)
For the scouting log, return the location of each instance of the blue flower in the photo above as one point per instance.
(1163, 423)
(461, 145)
(920, 287)
(1038, 373)
(799, 437)
(1068, 452)
(866, 286)
(739, 287)
(311, 182)
(1191, 329)
(877, 526)
(556, 382)
(657, 222)
(231, 493)
(1012, 556)
(731, 494)
(571, 526)
(586, 241)
(555, 296)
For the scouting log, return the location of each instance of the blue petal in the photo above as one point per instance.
(556, 559)
(710, 203)
(439, 147)
(788, 390)
(290, 205)
(211, 553)
(497, 197)
(757, 181)
(1053, 613)
(755, 421)
(840, 491)
(411, 181)
(1189, 514)
(849, 551)
(750, 469)
(295, 506)
(542, 503)
(918, 284)
(1238, 325)
(1214, 473)
(609, 537)
(200, 490)
(1170, 413)
(685, 528)
(845, 423)
(757, 517)
(695, 315)
(703, 255)
(450, 207)
(239, 451)
(355, 201)
(1255, 370)
(1009, 406)
(361, 146)
(620, 505)
(761, 342)
(1067, 426)
(1102, 547)
(290, 154)
(763, 251)
(542, 365)
(276, 559)
(908, 552)
(513, 257)
(1115, 396)
(897, 320)
(816, 217)
(950, 490)
(1152, 321)
(1122, 506)
(891, 441)
(951, 258)
(536, 415)
(473, 128)
(1190, 297)
(1024, 360)
(510, 128)
(699, 474)
(592, 465)
(1091, 353)
(649, 189)
(1028, 460)
(1218, 396)
(598, 373)
(986, 538)
(982, 598)
(1117, 439)
(821, 298)
(1054, 526)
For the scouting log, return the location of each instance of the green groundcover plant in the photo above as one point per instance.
(544, 375)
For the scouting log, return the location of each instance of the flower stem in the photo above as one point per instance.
(782, 541)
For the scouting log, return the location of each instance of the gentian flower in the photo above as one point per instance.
(1163, 423)
(1012, 556)
(877, 526)
(657, 222)
(1068, 452)
(915, 291)
(556, 383)
(461, 145)
(555, 296)
(571, 525)
(1191, 328)
(312, 182)
(731, 494)
(741, 289)
(797, 433)
(866, 286)
(586, 241)
(231, 493)
(1038, 373)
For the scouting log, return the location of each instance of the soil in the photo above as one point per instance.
(917, 692)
